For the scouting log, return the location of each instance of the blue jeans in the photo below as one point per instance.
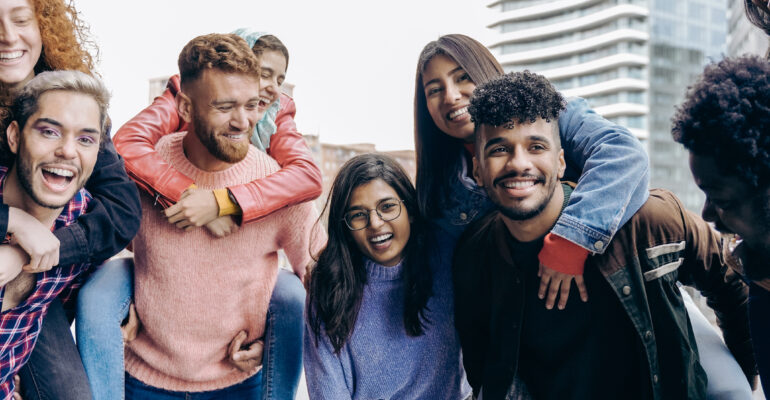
(54, 370)
(248, 389)
(103, 305)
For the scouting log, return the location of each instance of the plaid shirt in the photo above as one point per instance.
(20, 325)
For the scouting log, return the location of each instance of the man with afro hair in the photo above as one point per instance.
(724, 122)
(632, 340)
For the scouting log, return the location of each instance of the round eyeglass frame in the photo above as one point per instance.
(369, 216)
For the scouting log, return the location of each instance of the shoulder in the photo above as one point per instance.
(661, 218)
(287, 105)
(263, 161)
(479, 236)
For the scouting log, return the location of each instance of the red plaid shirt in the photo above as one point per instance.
(20, 325)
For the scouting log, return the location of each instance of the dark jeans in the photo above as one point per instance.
(54, 370)
(249, 389)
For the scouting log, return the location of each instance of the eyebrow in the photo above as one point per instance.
(59, 125)
(231, 101)
(436, 80)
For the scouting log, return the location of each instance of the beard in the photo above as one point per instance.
(219, 147)
(521, 213)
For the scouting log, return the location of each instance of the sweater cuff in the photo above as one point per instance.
(563, 256)
(226, 206)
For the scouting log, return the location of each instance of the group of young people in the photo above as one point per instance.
(530, 261)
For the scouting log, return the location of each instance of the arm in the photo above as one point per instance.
(323, 369)
(112, 218)
(614, 176)
(136, 140)
(705, 268)
(298, 180)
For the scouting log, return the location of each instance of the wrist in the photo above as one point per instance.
(226, 202)
(563, 256)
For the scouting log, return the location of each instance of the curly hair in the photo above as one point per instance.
(227, 52)
(66, 38)
(516, 97)
(726, 115)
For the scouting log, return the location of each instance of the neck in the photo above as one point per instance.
(199, 155)
(539, 225)
(14, 195)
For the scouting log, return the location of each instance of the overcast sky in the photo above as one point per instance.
(352, 61)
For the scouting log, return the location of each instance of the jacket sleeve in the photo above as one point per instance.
(613, 173)
(705, 268)
(471, 298)
(136, 140)
(112, 218)
(298, 180)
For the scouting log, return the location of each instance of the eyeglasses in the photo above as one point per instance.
(387, 210)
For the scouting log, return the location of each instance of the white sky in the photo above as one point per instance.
(352, 61)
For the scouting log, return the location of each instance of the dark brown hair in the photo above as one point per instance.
(270, 42)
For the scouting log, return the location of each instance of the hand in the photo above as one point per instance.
(35, 238)
(130, 326)
(245, 358)
(16, 388)
(222, 226)
(557, 279)
(12, 258)
(197, 207)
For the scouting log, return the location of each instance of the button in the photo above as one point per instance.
(463, 216)
(599, 245)
(626, 290)
(647, 335)
(655, 379)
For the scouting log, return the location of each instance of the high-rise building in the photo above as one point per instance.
(742, 36)
(631, 59)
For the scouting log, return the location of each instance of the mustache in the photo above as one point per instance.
(537, 178)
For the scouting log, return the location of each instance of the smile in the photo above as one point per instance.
(11, 55)
(379, 239)
(457, 113)
(235, 137)
(57, 179)
(264, 101)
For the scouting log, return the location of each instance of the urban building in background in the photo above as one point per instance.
(742, 36)
(631, 59)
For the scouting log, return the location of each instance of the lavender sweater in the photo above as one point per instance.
(380, 361)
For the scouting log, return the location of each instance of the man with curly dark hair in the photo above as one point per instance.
(632, 340)
(725, 124)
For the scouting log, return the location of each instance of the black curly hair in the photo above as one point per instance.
(516, 97)
(726, 115)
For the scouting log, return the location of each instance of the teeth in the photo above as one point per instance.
(9, 55)
(58, 171)
(234, 137)
(518, 184)
(456, 113)
(265, 100)
(381, 238)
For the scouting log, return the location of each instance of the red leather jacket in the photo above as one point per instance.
(298, 180)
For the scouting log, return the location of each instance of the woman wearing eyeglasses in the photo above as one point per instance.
(379, 317)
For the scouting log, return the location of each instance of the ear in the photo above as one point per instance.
(184, 106)
(477, 172)
(12, 137)
(562, 164)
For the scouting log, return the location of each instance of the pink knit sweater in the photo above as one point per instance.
(194, 292)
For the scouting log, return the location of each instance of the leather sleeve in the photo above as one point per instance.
(136, 140)
(298, 180)
(705, 268)
(112, 218)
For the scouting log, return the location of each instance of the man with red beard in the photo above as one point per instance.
(195, 294)
(57, 129)
(632, 340)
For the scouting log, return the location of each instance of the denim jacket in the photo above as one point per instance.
(606, 160)
(661, 244)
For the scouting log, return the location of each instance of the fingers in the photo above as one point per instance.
(581, 285)
(236, 343)
(563, 293)
(545, 279)
(553, 290)
(131, 327)
(17, 387)
(253, 352)
(172, 211)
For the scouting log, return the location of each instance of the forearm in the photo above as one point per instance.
(613, 177)
(136, 140)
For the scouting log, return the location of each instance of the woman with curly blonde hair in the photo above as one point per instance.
(37, 36)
